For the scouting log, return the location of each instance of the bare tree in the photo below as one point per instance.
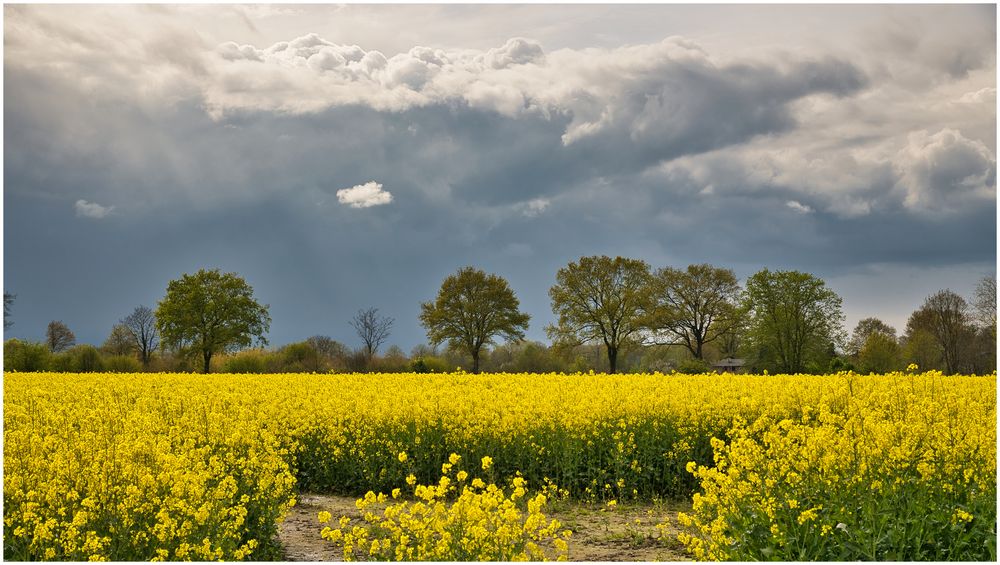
(8, 299)
(945, 317)
(58, 336)
(372, 329)
(985, 303)
(141, 325)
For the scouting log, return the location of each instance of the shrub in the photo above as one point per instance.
(298, 358)
(122, 364)
(694, 367)
(248, 361)
(79, 359)
(26, 356)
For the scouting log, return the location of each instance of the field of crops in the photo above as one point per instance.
(175, 467)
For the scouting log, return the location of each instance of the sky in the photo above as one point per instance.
(353, 156)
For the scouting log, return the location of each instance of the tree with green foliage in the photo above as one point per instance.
(879, 353)
(864, 330)
(472, 308)
(211, 312)
(695, 306)
(119, 341)
(794, 317)
(26, 356)
(920, 348)
(600, 299)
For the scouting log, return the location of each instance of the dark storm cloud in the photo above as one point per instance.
(183, 152)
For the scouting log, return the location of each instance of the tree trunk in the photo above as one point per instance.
(612, 359)
(208, 361)
(475, 360)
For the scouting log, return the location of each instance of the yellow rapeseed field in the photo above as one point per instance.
(174, 467)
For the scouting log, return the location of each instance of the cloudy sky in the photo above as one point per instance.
(341, 157)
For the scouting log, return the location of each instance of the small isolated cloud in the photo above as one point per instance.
(798, 207)
(364, 195)
(535, 207)
(93, 210)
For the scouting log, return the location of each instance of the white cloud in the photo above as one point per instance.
(986, 95)
(93, 210)
(944, 170)
(534, 207)
(798, 207)
(364, 195)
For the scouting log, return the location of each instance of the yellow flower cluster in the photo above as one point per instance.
(106, 468)
(172, 466)
(885, 468)
(452, 521)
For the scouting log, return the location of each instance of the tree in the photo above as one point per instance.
(141, 326)
(333, 352)
(119, 341)
(8, 299)
(945, 317)
(793, 316)
(372, 329)
(211, 312)
(58, 337)
(696, 306)
(600, 299)
(865, 329)
(879, 353)
(471, 309)
(920, 347)
(985, 303)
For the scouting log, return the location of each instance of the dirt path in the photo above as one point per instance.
(625, 533)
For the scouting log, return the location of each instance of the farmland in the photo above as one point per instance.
(179, 466)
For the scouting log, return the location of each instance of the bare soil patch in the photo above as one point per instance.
(622, 533)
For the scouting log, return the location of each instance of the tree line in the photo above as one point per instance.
(612, 314)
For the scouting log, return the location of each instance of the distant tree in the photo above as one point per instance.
(141, 326)
(211, 312)
(327, 346)
(8, 300)
(372, 329)
(26, 356)
(794, 317)
(920, 348)
(985, 303)
(472, 308)
(83, 358)
(119, 341)
(58, 337)
(695, 306)
(299, 357)
(393, 361)
(880, 353)
(945, 317)
(864, 330)
(600, 299)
